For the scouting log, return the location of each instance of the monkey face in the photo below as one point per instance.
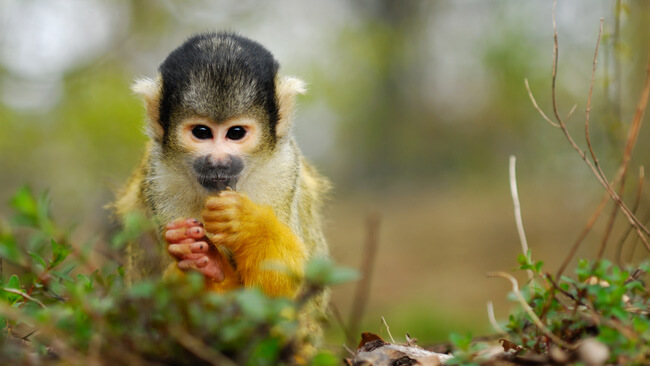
(218, 152)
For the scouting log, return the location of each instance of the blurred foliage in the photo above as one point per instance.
(57, 309)
(604, 303)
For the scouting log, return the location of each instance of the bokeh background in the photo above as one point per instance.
(413, 110)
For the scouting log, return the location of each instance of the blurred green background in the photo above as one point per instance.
(412, 111)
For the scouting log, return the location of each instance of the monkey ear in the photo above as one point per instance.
(150, 91)
(286, 90)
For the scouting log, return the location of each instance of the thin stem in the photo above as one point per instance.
(530, 311)
(518, 219)
(363, 287)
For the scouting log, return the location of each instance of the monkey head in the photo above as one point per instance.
(217, 108)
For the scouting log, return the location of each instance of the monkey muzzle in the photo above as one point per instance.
(218, 184)
(216, 176)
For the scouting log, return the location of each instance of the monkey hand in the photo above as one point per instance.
(257, 239)
(192, 249)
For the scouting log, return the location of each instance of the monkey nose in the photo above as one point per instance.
(220, 162)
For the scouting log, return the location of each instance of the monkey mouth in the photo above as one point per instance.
(216, 184)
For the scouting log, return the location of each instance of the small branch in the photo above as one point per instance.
(199, 348)
(25, 295)
(518, 219)
(541, 112)
(591, 89)
(493, 320)
(363, 287)
(558, 288)
(583, 234)
(554, 76)
(530, 311)
(573, 109)
(639, 227)
(387, 329)
(637, 203)
(339, 319)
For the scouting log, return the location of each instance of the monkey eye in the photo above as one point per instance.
(202, 132)
(236, 133)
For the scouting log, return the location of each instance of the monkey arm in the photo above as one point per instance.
(266, 252)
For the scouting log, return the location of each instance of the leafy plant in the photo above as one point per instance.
(56, 307)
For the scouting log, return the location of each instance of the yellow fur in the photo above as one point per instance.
(267, 253)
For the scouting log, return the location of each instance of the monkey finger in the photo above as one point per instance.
(202, 261)
(187, 264)
(181, 251)
(182, 233)
(199, 247)
(183, 223)
(218, 216)
(211, 269)
(222, 201)
(220, 228)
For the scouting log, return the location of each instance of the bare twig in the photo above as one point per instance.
(618, 74)
(591, 89)
(345, 347)
(387, 329)
(493, 320)
(199, 348)
(530, 311)
(339, 319)
(635, 208)
(573, 109)
(639, 227)
(25, 295)
(632, 137)
(583, 234)
(518, 219)
(363, 287)
(61, 348)
(558, 288)
(554, 72)
(541, 112)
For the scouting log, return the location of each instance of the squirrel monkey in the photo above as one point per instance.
(222, 176)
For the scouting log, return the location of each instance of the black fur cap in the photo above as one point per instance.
(219, 76)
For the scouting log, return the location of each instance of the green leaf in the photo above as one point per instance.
(325, 358)
(25, 204)
(61, 275)
(38, 259)
(322, 271)
(265, 353)
(521, 259)
(143, 289)
(14, 284)
(9, 248)
(59, 253)
(461, 342)
(253, 304)
(134, 224)
(538, 266)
